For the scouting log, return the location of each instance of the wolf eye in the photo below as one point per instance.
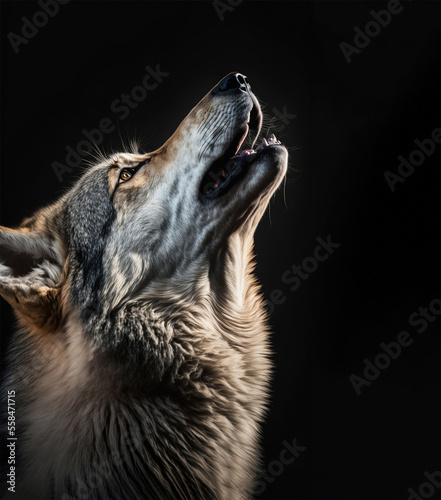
(126, 174)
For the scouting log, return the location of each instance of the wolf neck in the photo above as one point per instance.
(222, 288)
(232, 283)
(222, 283)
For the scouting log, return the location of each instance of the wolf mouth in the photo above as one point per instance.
(226, 170)
(222, 175)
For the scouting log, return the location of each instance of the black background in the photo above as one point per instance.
(353, 120)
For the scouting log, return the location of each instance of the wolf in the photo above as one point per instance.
(141, 364)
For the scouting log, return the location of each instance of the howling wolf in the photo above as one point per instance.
(140, 369)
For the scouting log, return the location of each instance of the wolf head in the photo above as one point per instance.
(135, 222)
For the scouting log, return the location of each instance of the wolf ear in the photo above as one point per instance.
(31, 269)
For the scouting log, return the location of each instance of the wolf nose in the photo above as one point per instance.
(232, 81)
